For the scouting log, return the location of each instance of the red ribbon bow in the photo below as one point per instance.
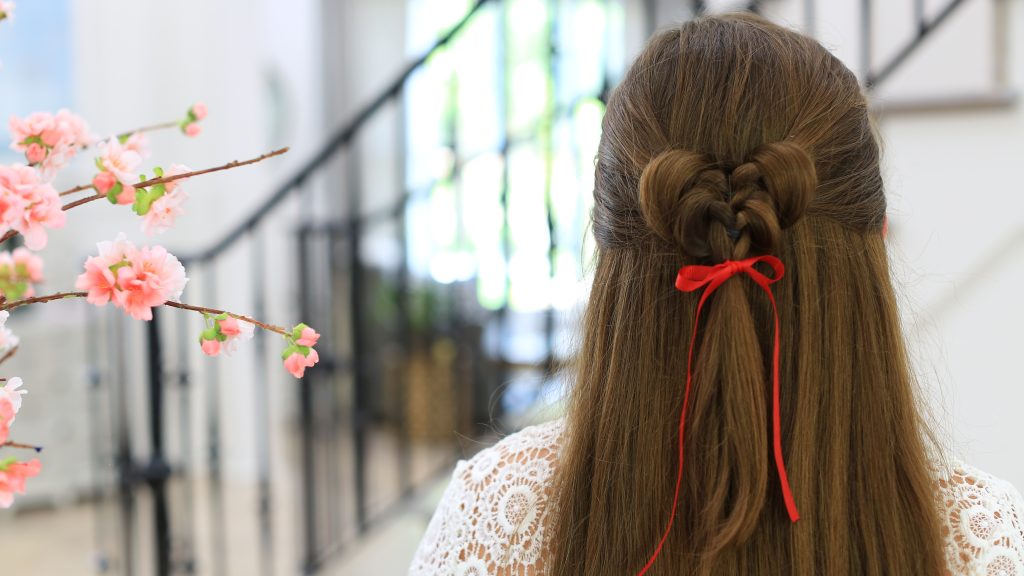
(693, 278)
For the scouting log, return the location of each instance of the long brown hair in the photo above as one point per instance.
(731, 137)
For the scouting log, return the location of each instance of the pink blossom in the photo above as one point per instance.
(229, 327)
(73, 130)
(199, 110)
(7, 338)
(28, 205)
(163, 211)
(192, 129)
(6, 10)
(152, 277)
(211, 347)
(18, 271)
(12, 206)
(30, 263)
(44, 211)
(49, 140)
(99, 278)
(309, 337)
(296, 363)
(121, 161)
(175, 170)
(6, 417)
(35, 153)
(11, 394)
(103, 182)
(24, 128)
(138, 143)
(12, 479)
(237, 331)
(127, 195)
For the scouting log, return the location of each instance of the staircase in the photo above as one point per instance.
(432, 342)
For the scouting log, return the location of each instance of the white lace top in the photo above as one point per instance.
(493, 516)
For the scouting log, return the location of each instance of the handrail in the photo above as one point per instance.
(924, 29)
(340, 138)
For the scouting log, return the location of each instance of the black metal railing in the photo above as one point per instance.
(374, 338)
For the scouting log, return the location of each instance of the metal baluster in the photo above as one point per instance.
(506, 236)
(306, 418)
(261, 406)
(865, 42)
(123, 459)
(218, 523)
(157, 471)
(402, 304)
(93, 421)
(549, 207)
(329, 377)
(361, 416)
(185, 424)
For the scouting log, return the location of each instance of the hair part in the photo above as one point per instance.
(731, 137)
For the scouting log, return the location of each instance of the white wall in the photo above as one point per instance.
(957, 215)
(257, 64)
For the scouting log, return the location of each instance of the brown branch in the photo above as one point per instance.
(10, 353)
(180, 305)
(151, 128)
(10, 444)
(41, 299)
(153, 181)
(214, 311)
(119, 135)
(165, 179)
(76, 189)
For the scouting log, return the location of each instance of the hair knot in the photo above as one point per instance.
(713, 210)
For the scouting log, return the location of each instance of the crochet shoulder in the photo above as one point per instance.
(495, 514)
(493, 517)
(983, 521)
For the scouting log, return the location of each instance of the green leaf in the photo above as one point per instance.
(297, 331)
(99, 164)
(289, 351)
(122, 138)
(114, 192)
(118, 266)
(7, 462)
(157, 191)
(143, 201)
(210, 334)
(159, 172)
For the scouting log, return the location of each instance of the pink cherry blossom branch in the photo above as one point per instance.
(10, 444)
(215, 312)
(151, 128)
(180, 305)
(77, 189)
(153, 181)
(119, 135)
(164, 179)
(9, 354)
(12, 304)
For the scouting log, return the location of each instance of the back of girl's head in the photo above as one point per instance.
(732, 137)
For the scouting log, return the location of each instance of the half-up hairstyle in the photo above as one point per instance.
(731, 137)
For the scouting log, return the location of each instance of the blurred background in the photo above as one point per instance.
(431, 220)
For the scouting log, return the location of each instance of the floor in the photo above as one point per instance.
(63, 541)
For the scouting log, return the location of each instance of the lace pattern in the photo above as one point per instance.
(493, 515)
